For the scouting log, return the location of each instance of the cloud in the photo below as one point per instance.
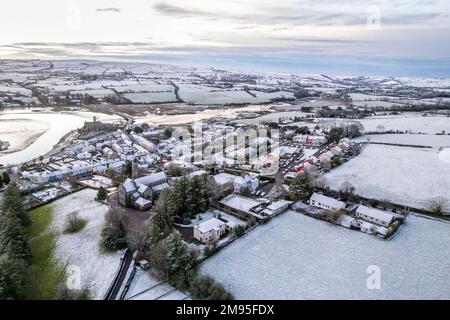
(111, 9)
(167, 9)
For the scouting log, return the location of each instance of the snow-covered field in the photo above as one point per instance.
(403, 175)
(298, 257)
(427, 140)
(82, 249)
(151, 97)
(229, 113)
(415, 123)
(406, 122)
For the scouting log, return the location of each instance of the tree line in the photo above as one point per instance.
(15, 255)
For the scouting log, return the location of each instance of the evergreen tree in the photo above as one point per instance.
(165, 210)
(114, 234)
(181, 196)
(155, 235)
(180, 258)
(13, 201)
(6, 178)
(302, 186)
(13, 276)
(102, 194)
(12, 236)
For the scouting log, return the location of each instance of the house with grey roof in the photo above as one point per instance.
(132, 193)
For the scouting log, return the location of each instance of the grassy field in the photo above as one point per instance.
(45, 272)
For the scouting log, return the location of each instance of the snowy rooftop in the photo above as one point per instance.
(333, 203)
(223, 178)
(239, 202)
(209, 225)
(375, 213)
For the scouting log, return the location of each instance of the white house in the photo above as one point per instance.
(373, 215)
(327, 203)
(276, 207)
(249, 181)
(209, 231)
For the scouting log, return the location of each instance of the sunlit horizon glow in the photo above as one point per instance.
(413, 37)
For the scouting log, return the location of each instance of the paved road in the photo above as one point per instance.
(120, 277)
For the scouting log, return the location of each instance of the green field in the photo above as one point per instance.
(45, 272)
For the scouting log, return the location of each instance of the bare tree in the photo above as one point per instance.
(333, 216)
(137, 238)
(438, 205)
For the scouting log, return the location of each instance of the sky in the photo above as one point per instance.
(342, 37)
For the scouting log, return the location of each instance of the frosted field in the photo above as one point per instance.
(82, 249)
(144, 87)
(408, 122)
(427, 140)
(229, 113)
(404, 175)
(15, 90)
(298, 257)
(97, 93)
(151, 97)
(211, 95)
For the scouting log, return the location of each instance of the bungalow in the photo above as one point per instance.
(327, 203)
(209, 231)
(375, 216)
(276, 207)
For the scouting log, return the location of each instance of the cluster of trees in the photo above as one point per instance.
(350, 131)
(173, 261)
(15, 255)
(170, 257)
(188, 197)
(303, 186)
(114, 233)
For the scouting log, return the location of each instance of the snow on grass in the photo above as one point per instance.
(82, 249)
(408, 122)
(298, 257)
(403, 175)
(427, 140)
(444, 155)
(96, 93)
(151, 97)
(15, 90)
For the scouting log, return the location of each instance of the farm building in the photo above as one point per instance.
(373, 215)
(324, 202)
